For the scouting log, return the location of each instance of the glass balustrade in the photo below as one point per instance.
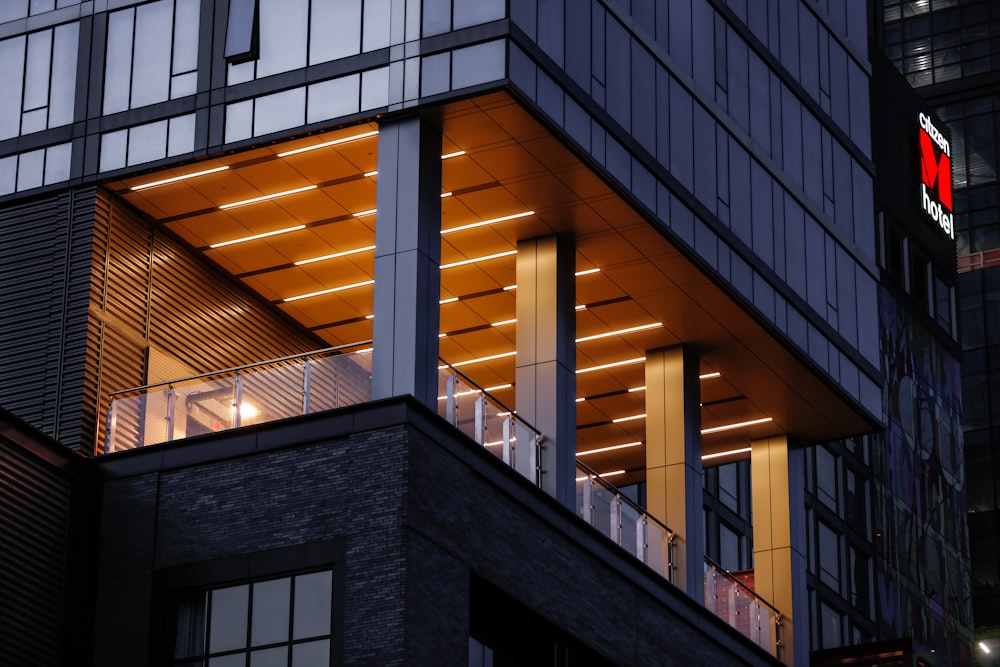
(264, 392)
(734, 602)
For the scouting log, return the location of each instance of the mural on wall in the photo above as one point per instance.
(921, 540)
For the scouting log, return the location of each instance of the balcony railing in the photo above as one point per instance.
(338, 377)
(734, 602)
(287, 387)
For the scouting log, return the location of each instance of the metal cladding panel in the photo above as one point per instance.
(34, 510)
(44, 272)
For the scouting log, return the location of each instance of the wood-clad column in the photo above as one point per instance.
(673, 459)
(407, 260)
(546, 359)
(779, 562)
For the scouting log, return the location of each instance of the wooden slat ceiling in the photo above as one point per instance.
(511, 164)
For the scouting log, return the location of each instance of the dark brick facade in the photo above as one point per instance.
(420, 512)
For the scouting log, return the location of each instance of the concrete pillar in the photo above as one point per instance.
(546, 359)
(779, 525)
(674, 487)
(407, 260)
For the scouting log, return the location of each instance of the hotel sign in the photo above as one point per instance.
(935, 175)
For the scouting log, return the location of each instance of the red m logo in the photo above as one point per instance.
(932, 170)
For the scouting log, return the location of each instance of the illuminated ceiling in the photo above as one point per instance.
(310, 252)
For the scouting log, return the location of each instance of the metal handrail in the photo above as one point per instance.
(237, 369)
(749, 591)
(614, 489)
(473, 383)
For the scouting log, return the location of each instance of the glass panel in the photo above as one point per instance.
(478, 64)
(238, 660)
(271, 657)
(374, 88)
(180, 138)
(36, 73)
(57, 163)
(630, 533)
(29, 170)
(375, 29)
(313, 604)
(602, 499)
(113, 145)
(279, 111)
(8, 174)
(335, 27)
(311, 654)
(189, 639)
(334, 98)
(11, 78)
(185, 48)
(63, 92)
(473, 13)
(184, 84)
(657, 549)
(118, 61)
(271, 604)
(240, 29)
(151, 67)
(239, 120)
(283, 35)
(147, 142)
(34, 121)
(12, 9)
(228, 625)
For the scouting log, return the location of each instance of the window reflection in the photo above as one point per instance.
(151, 54)
(234, 624)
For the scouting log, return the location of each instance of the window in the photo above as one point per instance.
(38, 77)
(286, 621)
(152, 54)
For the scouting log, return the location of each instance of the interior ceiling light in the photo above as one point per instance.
(709, 376)
(626, 362)
(730, 427)
(345, 253)
(478, 360)
(504, 322)
(254, 200)
(343, 140)
(586, 272)
(603, 474)
(448, 300)
(329, 291)
(175, 179)
(581, 307)
(628, 419)
(451, 155)
(445, 194)
(731, 452)
(361, 214)
(369, 174)
(634, 389)
(612, 448)
(484, 258)
(482, 223)
(620, 332)
(258, 236)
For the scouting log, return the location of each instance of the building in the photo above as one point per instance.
(948, 51)
(278, 278)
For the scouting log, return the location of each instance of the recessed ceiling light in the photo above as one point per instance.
(620, 332)
(343, 140)
(258, 236)
(482, 223)
(478, 360)
(254, 200)
(175, 179)
(329, 291)
(731, 452)
(451, 155)
(474, 260)
(615, 364)
(709, 376)
(628, 419)
(612, 448)
(603, 474)
(730, 427)
(335, 255)
(586, 272)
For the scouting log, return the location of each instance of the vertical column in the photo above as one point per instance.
(673, 459)
(407, 260)
(779, 525)
(546, 358)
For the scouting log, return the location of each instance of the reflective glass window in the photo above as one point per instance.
(151, 54)
(241, 31)
(270, 623)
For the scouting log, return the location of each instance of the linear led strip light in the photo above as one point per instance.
(613, 473)
(175, 179)
(612, 448)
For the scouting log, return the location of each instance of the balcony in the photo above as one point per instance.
(341, 376)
